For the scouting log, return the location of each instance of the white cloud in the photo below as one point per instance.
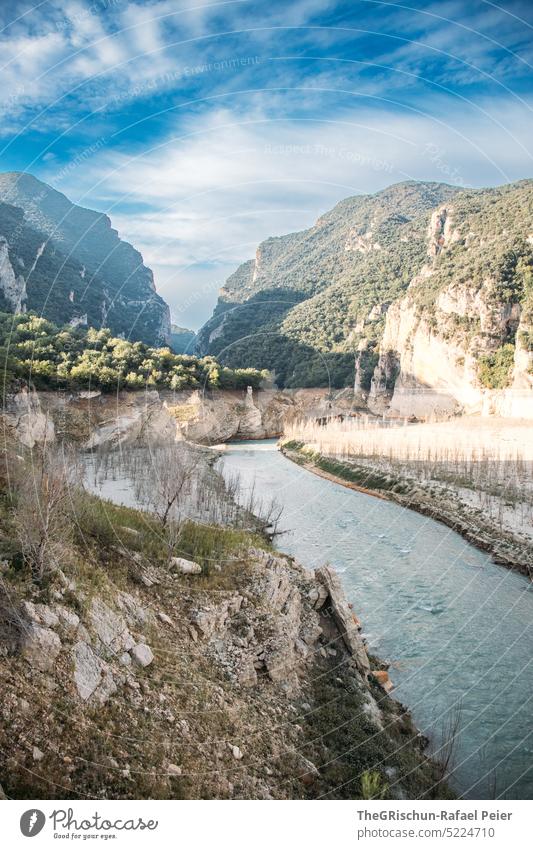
(206, 196)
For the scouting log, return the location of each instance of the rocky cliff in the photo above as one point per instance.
(460, 339)
(68, 264)
(91, 419)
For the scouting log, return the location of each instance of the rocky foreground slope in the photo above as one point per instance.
(238, 675)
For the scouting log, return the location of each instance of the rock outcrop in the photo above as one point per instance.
(94, 419)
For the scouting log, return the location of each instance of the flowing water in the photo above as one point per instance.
(456, 628)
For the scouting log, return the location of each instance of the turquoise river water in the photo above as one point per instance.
(456, 628)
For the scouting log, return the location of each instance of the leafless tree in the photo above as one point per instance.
(42, 507)
(168, 480)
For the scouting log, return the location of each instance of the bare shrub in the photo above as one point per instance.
(167, 480)
(447, 743)
(42, 507)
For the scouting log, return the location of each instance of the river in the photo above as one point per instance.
(456, 628)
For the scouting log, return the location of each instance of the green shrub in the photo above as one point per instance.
(495, 369)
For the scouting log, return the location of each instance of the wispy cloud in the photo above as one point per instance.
(205, 195)
(203, 127)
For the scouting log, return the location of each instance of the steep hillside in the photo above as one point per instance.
(181, 339)
(420, 286)
(322, 290)
(69, 264)
(462, 336)
(228, 671)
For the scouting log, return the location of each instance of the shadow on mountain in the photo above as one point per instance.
(251, 337)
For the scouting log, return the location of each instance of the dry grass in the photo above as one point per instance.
(489, 462)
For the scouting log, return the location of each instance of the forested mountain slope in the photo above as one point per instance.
(68, 264)
(325, 305)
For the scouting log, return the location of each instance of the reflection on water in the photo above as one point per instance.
(457, 628)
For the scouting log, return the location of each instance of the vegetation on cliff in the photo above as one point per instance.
(67, 263)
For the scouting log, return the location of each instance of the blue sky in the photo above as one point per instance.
(204, 127)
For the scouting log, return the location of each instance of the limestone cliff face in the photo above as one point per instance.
(93, 419)
(459, 340)
(438, 371)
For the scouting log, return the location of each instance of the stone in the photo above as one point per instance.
(40, 613)
(173, 770)
(47, 615)
(142, 654)
(67, 618)
(318, 595)
(106, 688)
(3, 796)
(37, 754)
(307, 771)
(134, 612)
(109, 626)
(344, 618)
(164, 618)
(125, 659)
(209, 620)
(236, 752)
(247, 675)
(185, 567)
(88, 670)
(40, 647)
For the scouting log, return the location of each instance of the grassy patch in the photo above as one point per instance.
(358, 475)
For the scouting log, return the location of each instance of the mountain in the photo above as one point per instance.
(305, 299)
(420, 285)
(68, 264)
(181, 339)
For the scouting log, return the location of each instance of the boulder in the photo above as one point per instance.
(344, 618)
(40, 647)
(185, 567)
(110, 627)
(88, 670)
(40, 613)
(67, 618)
(142, 654)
